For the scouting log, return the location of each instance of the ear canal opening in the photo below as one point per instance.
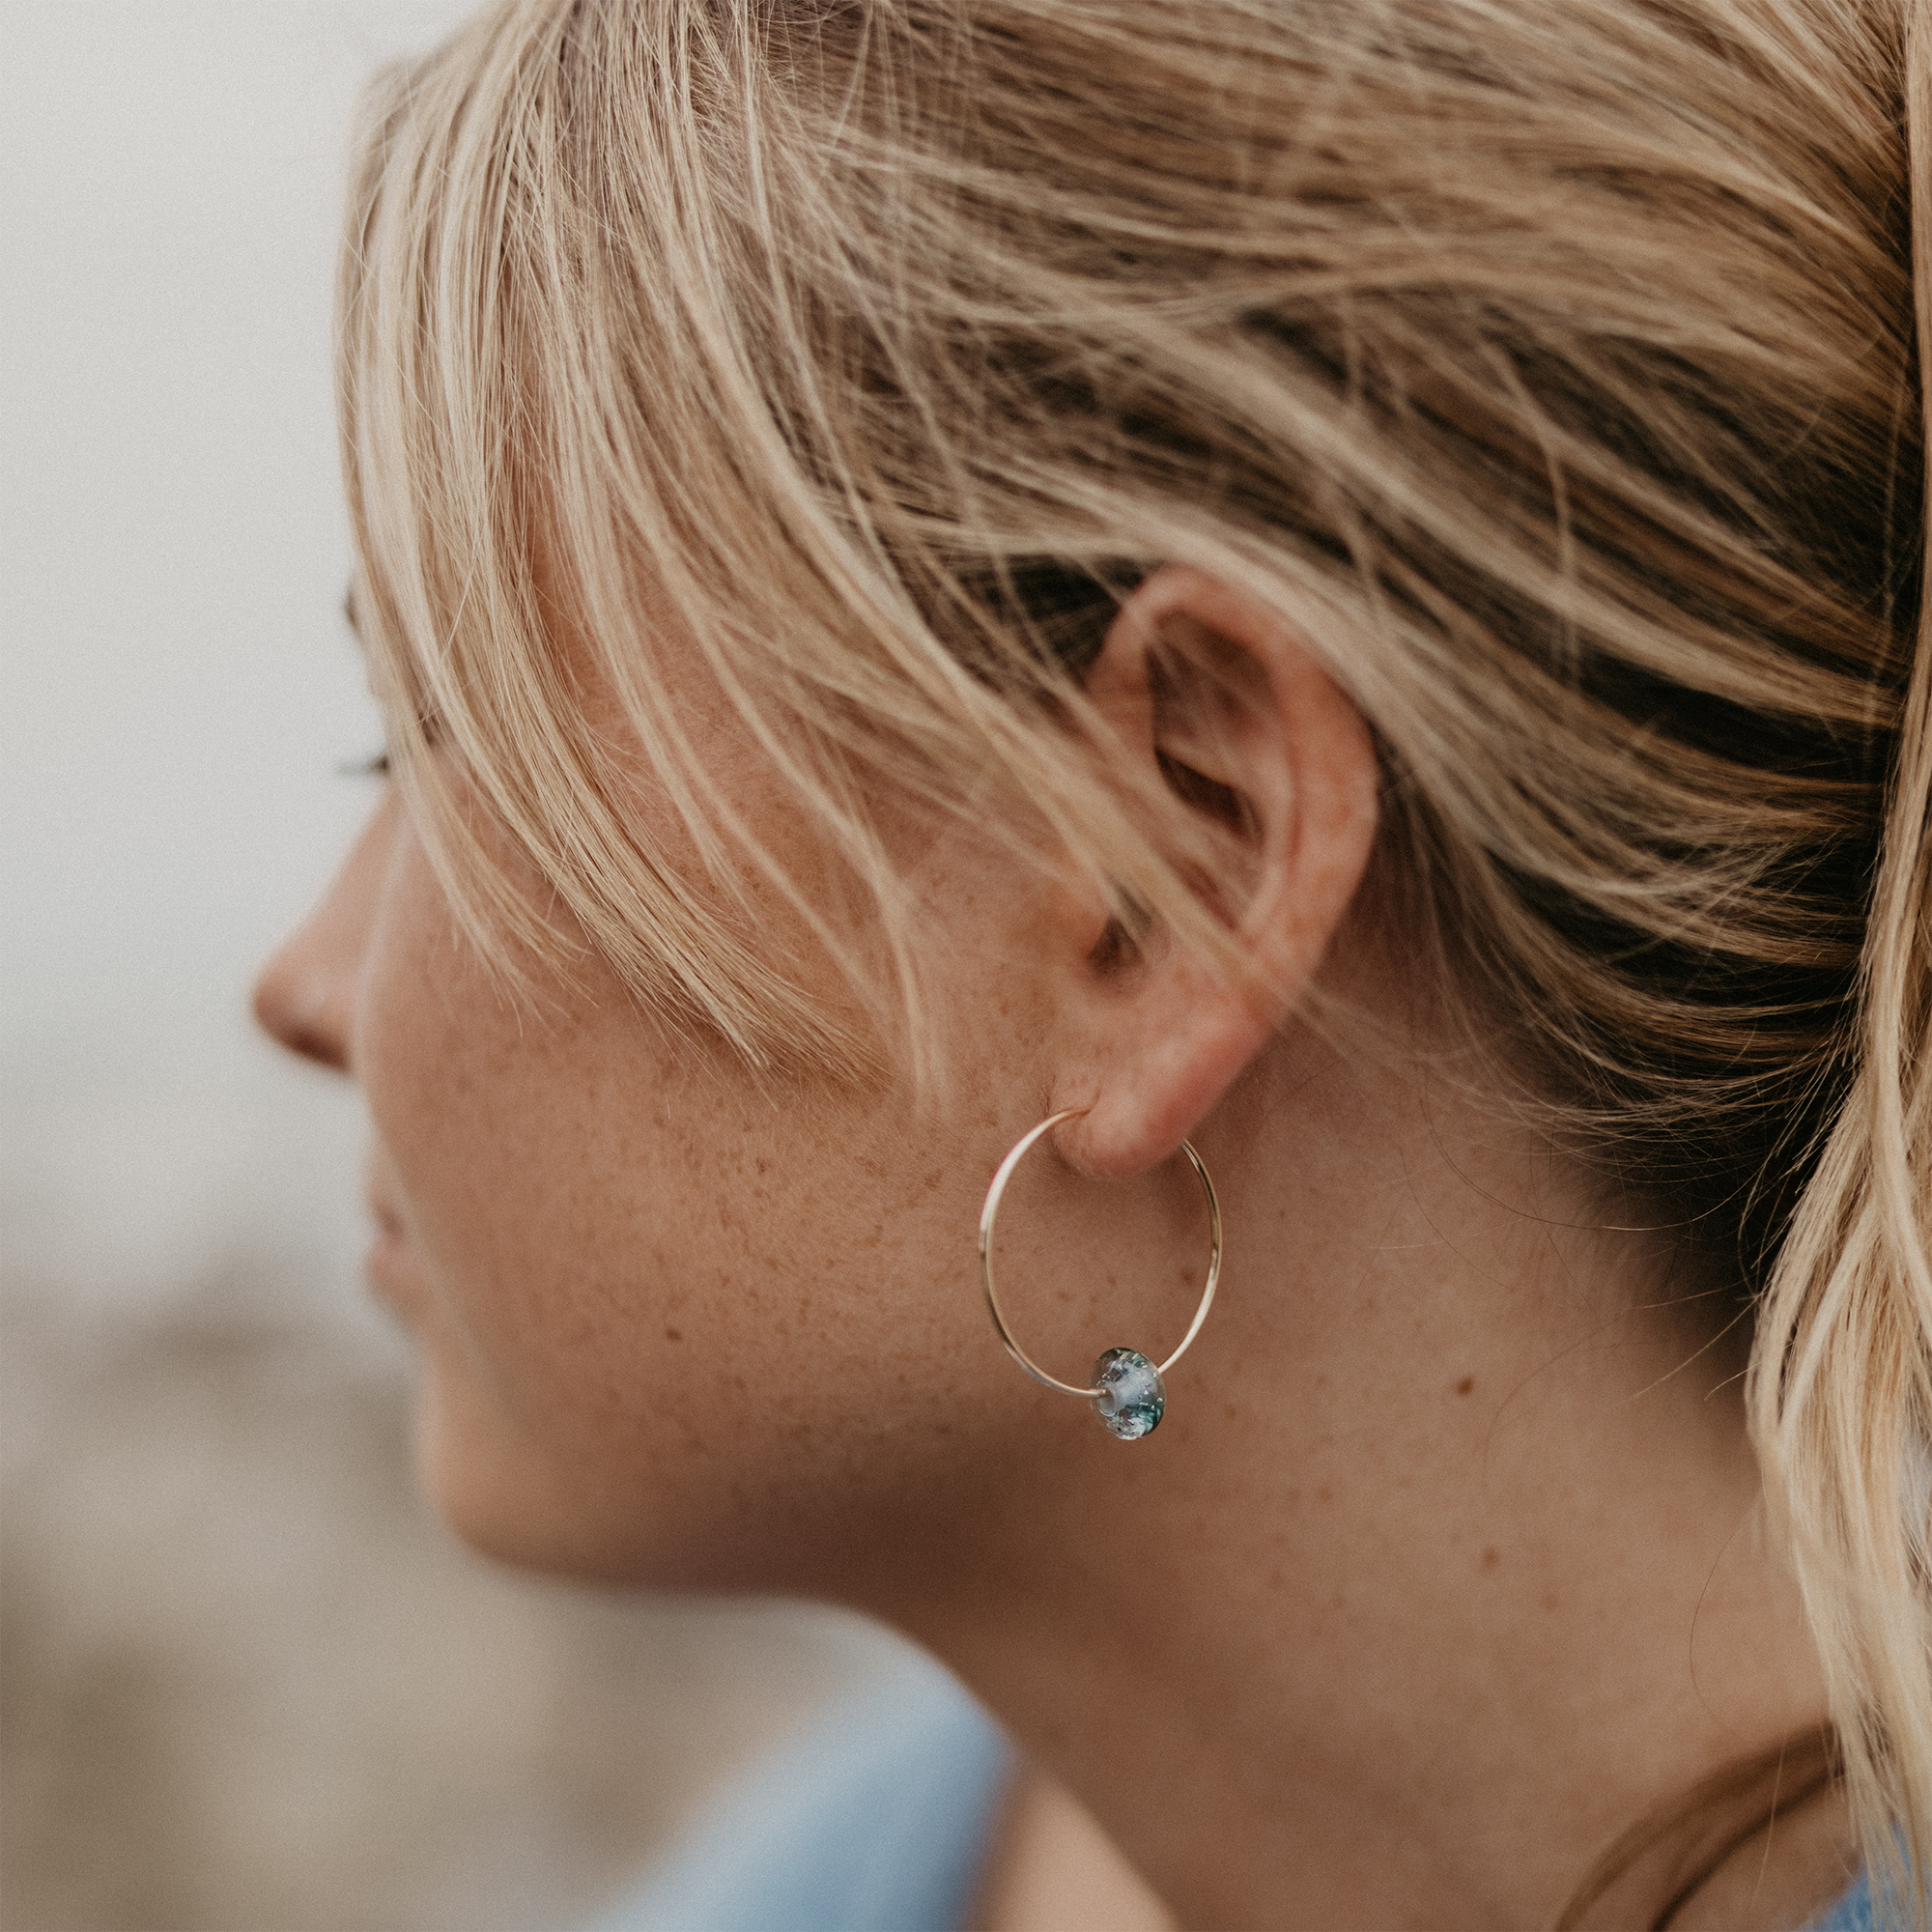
(1227, 805)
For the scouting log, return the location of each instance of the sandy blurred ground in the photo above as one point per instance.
(246, 1681)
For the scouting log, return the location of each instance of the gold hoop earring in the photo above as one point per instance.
(1129, 1394)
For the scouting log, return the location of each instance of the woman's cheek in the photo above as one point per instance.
(519, 1144)
(452, 1183)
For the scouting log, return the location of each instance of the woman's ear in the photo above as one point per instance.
(1273, 770)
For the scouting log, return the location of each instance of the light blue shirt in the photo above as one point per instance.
(873, 1819)
(1852, 1913)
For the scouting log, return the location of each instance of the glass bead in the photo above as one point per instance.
(1132, 1397)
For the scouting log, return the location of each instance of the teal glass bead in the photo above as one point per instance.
(1132, 1397)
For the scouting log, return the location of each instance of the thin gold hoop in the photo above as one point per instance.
(1129, 1395)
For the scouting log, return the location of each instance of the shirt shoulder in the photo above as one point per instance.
(873, 1818)
(1853, 1913)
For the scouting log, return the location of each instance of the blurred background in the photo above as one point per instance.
(245, 1681)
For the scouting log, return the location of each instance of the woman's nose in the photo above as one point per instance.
(305, 997)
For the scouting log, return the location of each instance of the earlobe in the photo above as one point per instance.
(1241, 720)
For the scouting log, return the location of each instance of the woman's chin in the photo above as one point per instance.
(513, 1505)
(493, 1493)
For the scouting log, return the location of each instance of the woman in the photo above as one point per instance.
(1333, 584)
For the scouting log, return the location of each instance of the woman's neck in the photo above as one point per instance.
(1446, 1567)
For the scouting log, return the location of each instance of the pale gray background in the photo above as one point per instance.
(178, 684)
(244, 1681)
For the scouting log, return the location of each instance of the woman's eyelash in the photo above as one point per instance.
(376, 767)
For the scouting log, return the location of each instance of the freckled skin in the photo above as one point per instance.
(621, 1254)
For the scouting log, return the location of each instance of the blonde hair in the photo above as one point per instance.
(1555, 367)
